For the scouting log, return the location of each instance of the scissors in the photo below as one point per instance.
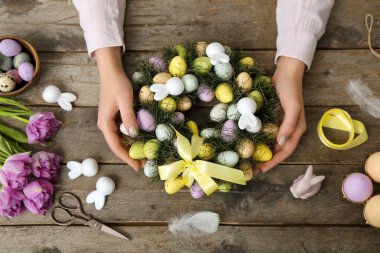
(82, 217)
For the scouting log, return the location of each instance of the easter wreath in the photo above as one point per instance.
(242, 129)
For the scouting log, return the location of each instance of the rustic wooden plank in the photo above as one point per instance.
(228, 239)
(323, 84)
(53, 25)
(266, 200)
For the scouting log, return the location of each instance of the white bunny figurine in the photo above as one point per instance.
(173, 86)
(306, 185)
(89, 168)
(104, 186)
(217, 53)
(248, 121)
(52, 94)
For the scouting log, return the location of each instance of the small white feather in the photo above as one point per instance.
(195, 223)
(362, 95)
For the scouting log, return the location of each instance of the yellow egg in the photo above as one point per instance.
(145, 95)
(192, 127)
(168, 104)
(136, 151)
(245, 148)
(271, 130)
(161, 77)
(151, 149)
(181, 50)
(258, 97)
(206, 152)
(201, 48)
(244, 81)
(263, 79)
(224, 187)
(173, 185)
(202, 65)
(224, 93)
(247, 169)
(178, 66)
(247, 62)
(262, 153)
(184, 103)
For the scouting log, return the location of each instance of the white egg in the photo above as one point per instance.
(51, 94)
(89, 167)
(224, 71)
(105, 185)
(164, 132)
(175, 86)
(190, 82)
(232, 112)
(210, 133)
(151, 169)
(136, 76)
(219, 112)
(246, 105)
(228, 158)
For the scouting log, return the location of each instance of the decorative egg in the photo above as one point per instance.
(224, 93)
(247, 62)
(145, 95)
(192, 127)
(52, 93)
(224, 187)
(173, 185)
(151, 169)
(175, 143)
(262, 153)
(151, 149)
(184, 103)
(372, 167)
(9, 47)
(191, 82)
(5, 62)
(21, 58)
(7, 83)
(26, 71)
(224, 71)
(89, 167)
(164, 132)
(175, 86)
(244, 81)
(178, 66)
(232, 112)
(196, 191)
(219, 112)
(157, 62)
(168, 104)
(206, 152)
(178, 118)
(263, 79)
(270, 130)
(202, 65)
(210, 133)
(245, 148)
(146, 121)
(205, 93)
(214, 48)
(247, 169)
(201, 48)
(372, 210)
(136, 76)
(15, 75)
(357, 187)
(229, 131)
(258, 97)
(136, 151)
(228, 158)
(161, 77)
(181, 50)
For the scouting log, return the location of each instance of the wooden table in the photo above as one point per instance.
(262, 218)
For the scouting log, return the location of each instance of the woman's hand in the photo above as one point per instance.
(288, 82)
(116, 94)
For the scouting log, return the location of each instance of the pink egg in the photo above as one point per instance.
(10, 48)
(26, 71)
(205, 93)
(196, 191)
(357, 187)
(178, 118)
(146, 121)
(229, 131)
(16, 76)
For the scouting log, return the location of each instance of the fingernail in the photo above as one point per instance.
(282, 140)
(132, 132)
(123, 129)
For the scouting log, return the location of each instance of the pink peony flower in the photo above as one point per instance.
(41, 127)
(16, 170)
(38, 196)
(10, 200)
(45, 165)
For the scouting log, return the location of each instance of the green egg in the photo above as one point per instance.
(151, 149)
(202, 65)
(136, 151)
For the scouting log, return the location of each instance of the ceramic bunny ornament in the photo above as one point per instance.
(52, 94)
(248, 121)
(306, 185)
(174, 86)
(88, 168)
(104, 186)
(217, 53)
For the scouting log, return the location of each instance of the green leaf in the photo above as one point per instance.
(9, 101)
(5, 147)
(13, 134)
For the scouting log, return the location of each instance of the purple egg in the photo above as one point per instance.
(10, 48)
(146, 121)
(157, 62)
(196, 191)
(357, 187)
(26, 71)
(229, 131)
(16, 76)
(178, 118)
(205, 93)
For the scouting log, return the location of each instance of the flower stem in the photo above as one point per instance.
(20, 118)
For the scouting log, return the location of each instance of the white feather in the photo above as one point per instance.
(362, 95)
(195, 223)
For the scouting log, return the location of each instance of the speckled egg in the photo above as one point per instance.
(15, 75)
(151, 169)
(164, 132)
(146, 121)
(161, 77)
(205, 93)
(247, 169)
(136, 151)
(262, 153)
(201, 48)
(173, 185)
(247, 62)
(151, 149)
(26, 71)
(146, 96)
(206, 152)
(178, 118)
(245, 148)
(192, 127)
(168, 104)
(178, 66)
(191, 82)
(270, 130)
(232, 112)
(224, 71)
(244, 81)
(224, 187)
(224, 93)
(7, 83)
(184, 103)
(228, 158)
(196, 191)
(5, 62)
(219, 112)
(136, 76)
(263, 79)
(210, 133)
(9, 47)
(202, 65)
(229, 131)
(258, 97)
(157, 62)
(21, 58)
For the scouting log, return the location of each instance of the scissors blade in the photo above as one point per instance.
(113, 232)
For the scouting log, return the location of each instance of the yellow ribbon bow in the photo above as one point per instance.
(198, 170)
(340, 120)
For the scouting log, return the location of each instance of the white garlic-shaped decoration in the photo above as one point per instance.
(173, 86)
(217, 53)
(306, 185)
(248, 121)
(52, 94)
(104, 187)
(88, 168)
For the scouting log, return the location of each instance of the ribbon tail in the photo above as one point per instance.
(207, 184)
(171, 170)
(220, 172)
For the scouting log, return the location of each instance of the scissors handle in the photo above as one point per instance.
(72, 218)
(78, 205)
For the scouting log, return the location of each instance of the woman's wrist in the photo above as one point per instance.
(109, 61)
